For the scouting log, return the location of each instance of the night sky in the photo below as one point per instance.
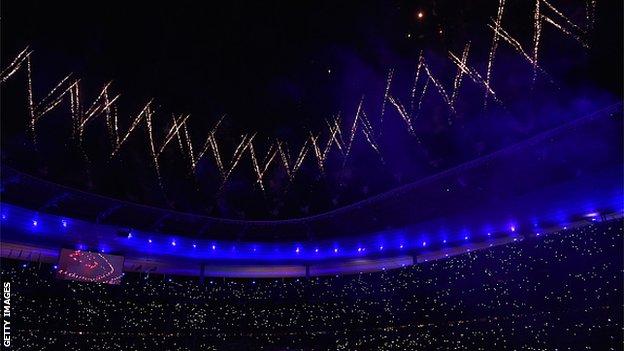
(282, 69)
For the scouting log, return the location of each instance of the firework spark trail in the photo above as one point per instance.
(207, 144)
(285, 156)
(15, 65)
(44, 106)
(112, 123)
(421, 98)
(320, 159)
(562, 16)
(414, 86)
(354, 127)
(518, 48)
(189, 145)
(132, 127)
(238, 153)
(442, 92)
(110, 113)
(101, 105)
(332, 139)
(590, 15)
(369, 134)
(460, 73)
(261, 168)
(301, 157)
(493, 47)
(74, 106)
(150, 134)
(538, 16)
(430, 77)
(38, 110)
(178, 136)
(537, 33)
(566, 31)
(31, 103)
(385, 98)
(335, 135)
(472, 74)
(402, 113)
(291, 170)
(174, 131)
(216, 154)
(361, 119)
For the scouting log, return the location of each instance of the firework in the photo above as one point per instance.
(471, 73)
(261, 168)
(207, 144)
(460, 73)
(385, 98)
(106, 104)
(137, 120)
(493, 47)
(404, 115)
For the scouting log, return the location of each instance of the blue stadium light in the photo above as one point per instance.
(424, 243)
(297, 250)
(489, 234)
(129, 235)
(4, 216)
(335, 250)
(466, 237)
(149, 241)
(173, 243)
(35, 222)
(64, 223)
(55, 267)
(401, 246)
(214, 247)
(513, 228)
(359, 249)
(194, 245)
(381, 248)
(316, 250)
(444, 241)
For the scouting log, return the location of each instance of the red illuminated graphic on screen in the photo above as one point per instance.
(85, 266)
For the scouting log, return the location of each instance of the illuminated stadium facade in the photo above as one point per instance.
(530, 188)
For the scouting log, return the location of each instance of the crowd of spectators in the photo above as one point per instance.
(561, 291)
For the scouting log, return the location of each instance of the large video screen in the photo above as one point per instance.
(85, 266)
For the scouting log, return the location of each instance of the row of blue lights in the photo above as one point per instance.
(298, 249)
